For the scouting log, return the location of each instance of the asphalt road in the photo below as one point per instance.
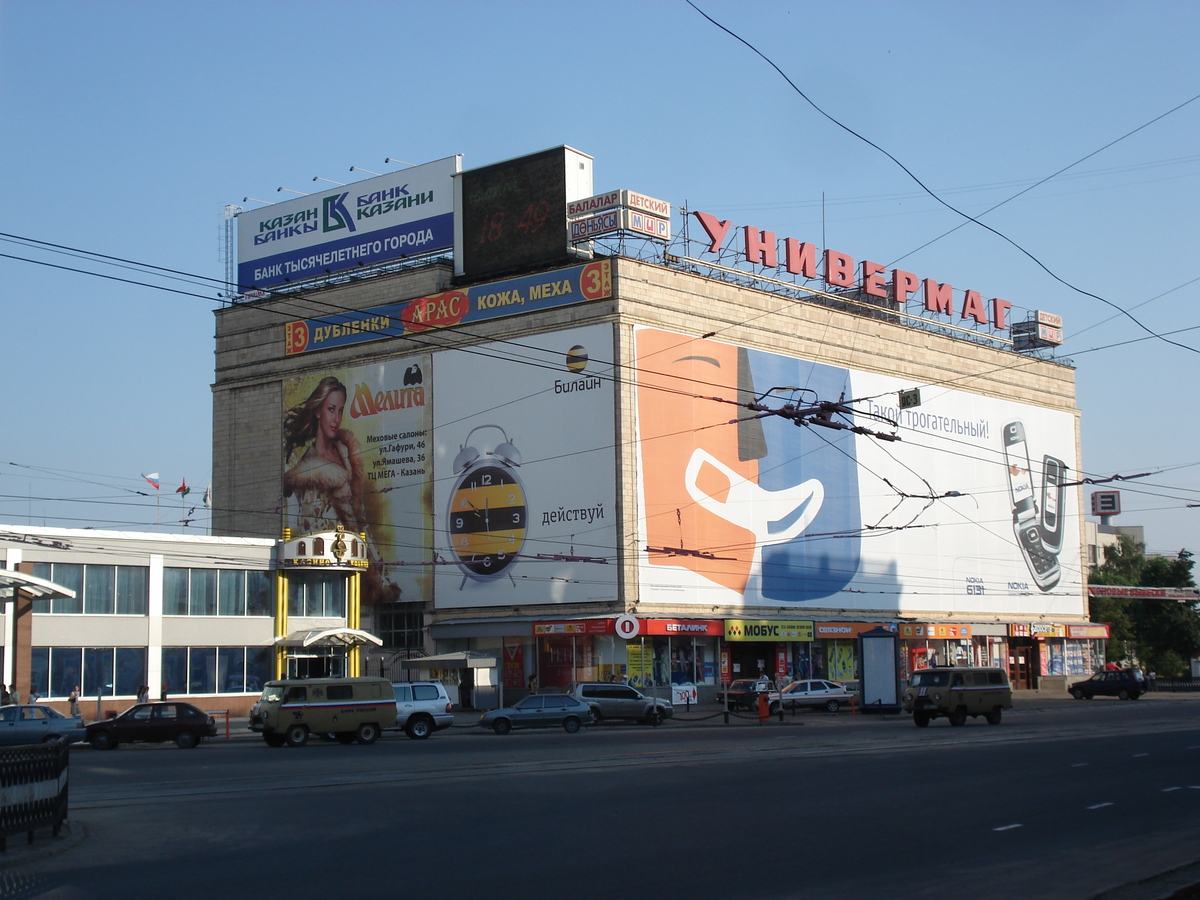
(1061, 800)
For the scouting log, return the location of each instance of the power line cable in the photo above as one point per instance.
(931, 193)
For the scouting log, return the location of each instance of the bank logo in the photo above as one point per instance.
(335, 216)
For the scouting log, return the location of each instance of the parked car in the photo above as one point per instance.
(621, 701)
(422, 707)
(1128, 684)
(539, 711)
(744, 692)
(33, 724)
(816, 694)
(182, 723)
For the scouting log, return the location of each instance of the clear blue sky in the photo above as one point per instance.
(125, 128)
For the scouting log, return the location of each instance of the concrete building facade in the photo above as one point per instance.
(642, 550)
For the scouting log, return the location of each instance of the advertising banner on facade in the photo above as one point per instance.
(358, 452)
(525, 495)
(966, 512)
(529, 293)
(389, 217)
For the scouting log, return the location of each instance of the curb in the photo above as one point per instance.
(20, 852)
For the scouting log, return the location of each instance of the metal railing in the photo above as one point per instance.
(33, 788)
(1174, 685)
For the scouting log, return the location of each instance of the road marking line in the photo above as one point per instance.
(1168, 790)
(1007, 827)
(1194, 747)
(1079, 765)
(1194, 787)
(1136, 755)
(1099, 806)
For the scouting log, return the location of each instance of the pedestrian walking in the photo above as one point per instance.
(73, 697)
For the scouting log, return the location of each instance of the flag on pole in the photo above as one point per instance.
(152, 478)
(183, 488)
(208, 497)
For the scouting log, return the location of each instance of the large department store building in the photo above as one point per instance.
(591, 437)
(660, 449)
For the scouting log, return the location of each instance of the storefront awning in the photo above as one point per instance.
(11, 581)
(329, 637)
(463, 659)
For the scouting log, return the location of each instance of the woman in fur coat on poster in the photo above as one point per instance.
(327, 481)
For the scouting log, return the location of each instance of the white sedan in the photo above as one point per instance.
(815, 694)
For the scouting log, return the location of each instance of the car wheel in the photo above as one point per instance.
(1123, 694)
(571, 724)
(655, 716)
(1077, 694)
(832, 706)
(368, 733)
(597, 716)
(186, 740)
(418, 727)
(102, 740)
(774, 708)
(345, 737)
(297, 736)
(274, 740)
(502, 726)
(920, 719)
(993, 718)
(958, 717)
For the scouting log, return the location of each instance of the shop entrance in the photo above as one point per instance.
(1022, 664)
(750, 659)
(316, 665)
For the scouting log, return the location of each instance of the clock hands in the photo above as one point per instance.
(487, 519)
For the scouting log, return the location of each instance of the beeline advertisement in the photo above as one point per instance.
(525, 489)
(967, 512)
(360, 224)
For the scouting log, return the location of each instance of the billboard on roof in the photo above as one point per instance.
(377, 220)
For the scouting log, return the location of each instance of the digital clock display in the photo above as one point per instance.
(514, 214)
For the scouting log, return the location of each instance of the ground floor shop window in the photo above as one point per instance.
(107, 671)
(644, 662)
(215, 670)
(840, 662)
(1083, 657)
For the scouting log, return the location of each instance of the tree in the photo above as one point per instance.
(1162, 634)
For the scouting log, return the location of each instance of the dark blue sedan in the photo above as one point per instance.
(539, 711)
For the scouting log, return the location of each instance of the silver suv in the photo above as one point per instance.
(620, 701)
(422, 707)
